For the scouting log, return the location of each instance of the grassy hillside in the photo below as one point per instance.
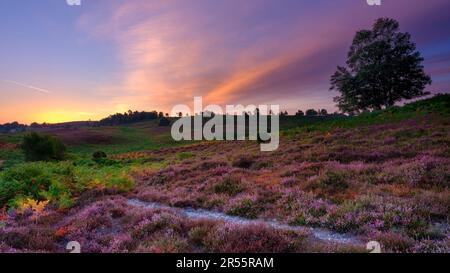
(382, 176)
(438, 105)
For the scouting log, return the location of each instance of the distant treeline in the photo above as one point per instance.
(12, 127)
(116, 119)
(123, 118)
(130, 117)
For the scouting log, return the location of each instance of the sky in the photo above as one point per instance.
(65, 63)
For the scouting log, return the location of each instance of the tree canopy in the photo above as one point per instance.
(130, 117)
(383, 67)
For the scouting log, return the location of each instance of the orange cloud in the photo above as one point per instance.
(174, 50)
(172, 53)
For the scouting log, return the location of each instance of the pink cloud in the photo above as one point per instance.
(174, 50)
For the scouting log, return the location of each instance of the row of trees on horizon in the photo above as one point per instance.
(132, 117)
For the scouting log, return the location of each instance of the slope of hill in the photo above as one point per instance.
(331, 186)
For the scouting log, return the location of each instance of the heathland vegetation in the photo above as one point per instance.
(381, 175)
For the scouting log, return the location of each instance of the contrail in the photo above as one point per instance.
(29, 86)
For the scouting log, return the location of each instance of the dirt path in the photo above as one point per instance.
(319, 233)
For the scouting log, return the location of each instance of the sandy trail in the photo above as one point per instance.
(319, 233)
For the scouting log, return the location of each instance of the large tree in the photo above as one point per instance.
(383, 67)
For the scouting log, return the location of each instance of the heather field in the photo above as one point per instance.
(333, 185)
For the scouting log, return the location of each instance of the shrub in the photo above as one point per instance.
(98, 155)
(58, 182)
(426, 172)
(26, 180)
(35, 239)
(60, 194)
(247, 208)
(230, 185)
(160, 222)
(430, 246)
(333, 181)
(395, 242)
(198, 234)
(231, 238)
(243, 162)
(101, 158)
(167, 243)
(38, 181)
(40, 147)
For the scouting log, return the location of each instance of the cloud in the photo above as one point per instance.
(233, 51)
(171, 53)
(28, 86)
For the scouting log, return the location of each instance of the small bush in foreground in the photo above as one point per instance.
(249, 239)
(28, 180)
(58, 182)
(40, 147)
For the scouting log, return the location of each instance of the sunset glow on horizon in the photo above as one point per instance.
(64, 63)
